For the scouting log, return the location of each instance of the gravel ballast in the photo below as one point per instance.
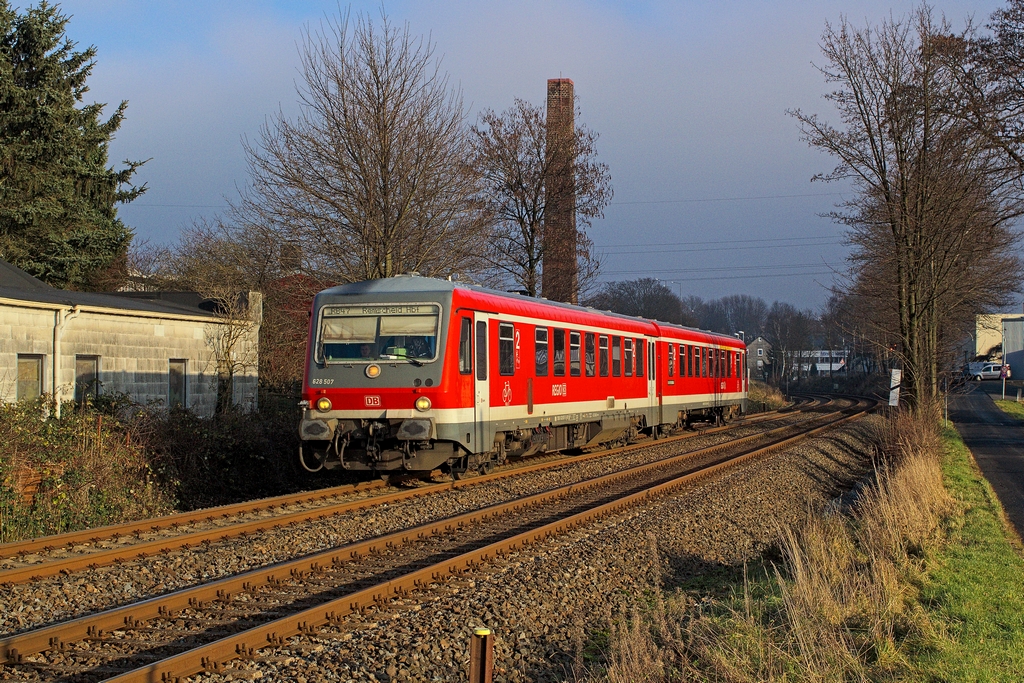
(545, 601)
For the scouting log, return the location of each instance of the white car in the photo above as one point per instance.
(980, 371)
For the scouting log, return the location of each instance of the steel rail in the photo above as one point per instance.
(211, 656)
(13, 648)
(143, 549)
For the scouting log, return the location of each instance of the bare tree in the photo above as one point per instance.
(929, 222)
(371, 178)
(643, 297)
(512, 158)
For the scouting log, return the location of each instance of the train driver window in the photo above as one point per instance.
(627, 357)
(604, 356)
(559, 353)
(541, 353)
(481, 350)
(640, 357)
(466, 347)
(506, 349)
(590, 354)
(574, 354)
(671, 361)
(616, 356)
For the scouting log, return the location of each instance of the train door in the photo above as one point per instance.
(481, 384)
(653, 400)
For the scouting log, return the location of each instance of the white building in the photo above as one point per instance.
(69, 344)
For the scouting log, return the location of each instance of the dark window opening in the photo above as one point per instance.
(466, 347)
(574, 354)
(683, 357)
(506, 349)
(176, 373)
(671, 361)
(640, 357)
(481, 350)
(559, 353)
(627, 357)
(541, 351)
(604, 356)
(590, 354)
(87, 377)
(616, 356)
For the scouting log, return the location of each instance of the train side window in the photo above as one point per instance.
(466, 347)
(541, 352)
(604, 356)
(590, 354)
(627, 357)
(671, 361)
(695, 361)
(683, 357)
(481, 350)
(616, 356)
(574, 354)
(729, 363)
(703, 362)
(506, 349)
(640, 357)
(713, 362)
(559, 353)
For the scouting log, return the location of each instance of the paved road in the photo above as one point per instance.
(997, 442)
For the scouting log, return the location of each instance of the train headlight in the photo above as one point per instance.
(423, 404)
(372, 370)
(323, 404)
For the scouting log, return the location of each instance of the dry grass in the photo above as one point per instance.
(762, 398)
(838, 607)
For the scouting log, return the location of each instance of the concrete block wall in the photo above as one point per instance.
(134, 351)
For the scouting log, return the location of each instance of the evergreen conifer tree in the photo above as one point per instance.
(58, 197)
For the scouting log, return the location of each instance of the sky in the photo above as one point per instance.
(712, 183)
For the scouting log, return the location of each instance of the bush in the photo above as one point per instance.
(114, 460)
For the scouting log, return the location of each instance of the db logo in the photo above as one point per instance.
(372, 401)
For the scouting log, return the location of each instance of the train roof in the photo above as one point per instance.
(411, 283)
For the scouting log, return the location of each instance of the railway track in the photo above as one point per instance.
(36, 559)
(199, 628)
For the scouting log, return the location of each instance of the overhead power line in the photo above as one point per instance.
(726, 199)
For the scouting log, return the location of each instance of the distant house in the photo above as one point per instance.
(823, 361)
(73, 344)
(759, 354)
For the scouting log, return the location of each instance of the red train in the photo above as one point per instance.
(411, 374)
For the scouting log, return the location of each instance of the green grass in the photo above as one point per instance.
(1011, 408)
(974, 593)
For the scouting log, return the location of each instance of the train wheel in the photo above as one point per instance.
(486, 467)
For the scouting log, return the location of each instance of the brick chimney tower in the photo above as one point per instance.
(560, 277)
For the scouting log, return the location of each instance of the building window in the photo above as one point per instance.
(640, 357)
(176, 373)
(760, 352)
(506, 349)
(87, 377)
(604, 356)
(574, 354)
(590, 354)
(616, 356)
(30, 377)
(559, 353)
(541, 351)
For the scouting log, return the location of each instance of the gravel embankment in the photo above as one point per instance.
(60, 598)
(543, 602)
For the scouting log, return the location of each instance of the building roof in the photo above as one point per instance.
(17, 284)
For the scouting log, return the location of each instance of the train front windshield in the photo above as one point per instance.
(379, 333)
